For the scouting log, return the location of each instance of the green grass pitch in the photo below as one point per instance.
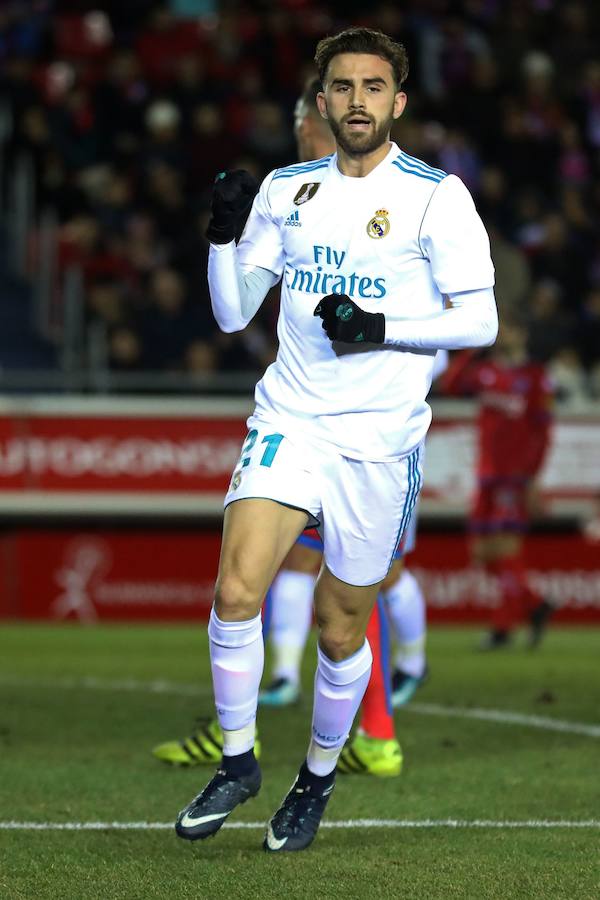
(80, 710)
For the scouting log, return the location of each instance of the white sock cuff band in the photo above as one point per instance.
(348, 670)
(234, 634)
(408, 648)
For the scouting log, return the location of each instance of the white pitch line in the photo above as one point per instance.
(499, 716)
(92, 683)
(506, 717)
(345, 824)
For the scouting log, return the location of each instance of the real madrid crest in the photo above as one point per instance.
(379, 225)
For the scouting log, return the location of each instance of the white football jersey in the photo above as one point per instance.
(395, 242)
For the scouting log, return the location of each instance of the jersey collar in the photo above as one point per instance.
(380, 168)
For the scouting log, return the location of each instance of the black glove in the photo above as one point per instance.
(344, 321)
(233, 193)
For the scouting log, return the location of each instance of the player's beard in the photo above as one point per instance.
(361, 143)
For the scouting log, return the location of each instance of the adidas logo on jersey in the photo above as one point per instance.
(294, 219)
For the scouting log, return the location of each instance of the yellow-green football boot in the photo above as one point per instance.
(203, 747)
(364, 755)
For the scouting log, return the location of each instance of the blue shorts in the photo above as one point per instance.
(312, 539)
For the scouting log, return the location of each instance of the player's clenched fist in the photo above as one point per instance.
(344, 320)
(233, 193)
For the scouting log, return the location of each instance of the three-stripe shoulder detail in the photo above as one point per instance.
(302, 168)
(412, 166)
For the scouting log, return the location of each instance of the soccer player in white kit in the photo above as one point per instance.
(367, 243)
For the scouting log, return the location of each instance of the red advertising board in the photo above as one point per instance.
(564, 568)
(114, 453)
(109, 575)
(159, 460)
(164, 458)
(168, 575)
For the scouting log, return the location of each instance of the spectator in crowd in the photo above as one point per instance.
(190, 87)
(550, 325)
(513, 276)
(125, 350)
(120, 97)
(106, 303)
(164, 142)
(113, 203)
(559, 257)
(201, 358)
(166, 200)
(204, 147)
(569, 377)
(588, 329)
(170, 322)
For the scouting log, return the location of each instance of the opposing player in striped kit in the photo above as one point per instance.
(367, 244)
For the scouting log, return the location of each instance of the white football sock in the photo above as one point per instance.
(236, 658)
(339, 689)
(291, 617)
(407, 612)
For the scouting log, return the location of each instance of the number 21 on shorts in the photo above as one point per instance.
(271, 440)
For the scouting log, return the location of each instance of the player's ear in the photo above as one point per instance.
(322, 104)
(399, 104)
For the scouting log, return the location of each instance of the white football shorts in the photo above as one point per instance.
(360, 508)
(409, 537)
(410, 534)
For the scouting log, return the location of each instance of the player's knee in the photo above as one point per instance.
(338, 642)
(235, 599)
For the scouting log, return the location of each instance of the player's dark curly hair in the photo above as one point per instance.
(363, 40)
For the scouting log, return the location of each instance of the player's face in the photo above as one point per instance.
(313, 135)
(360, 101)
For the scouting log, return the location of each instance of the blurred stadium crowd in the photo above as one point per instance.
(128, 110)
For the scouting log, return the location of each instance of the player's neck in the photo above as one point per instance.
(361, 165)
(318, 149)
